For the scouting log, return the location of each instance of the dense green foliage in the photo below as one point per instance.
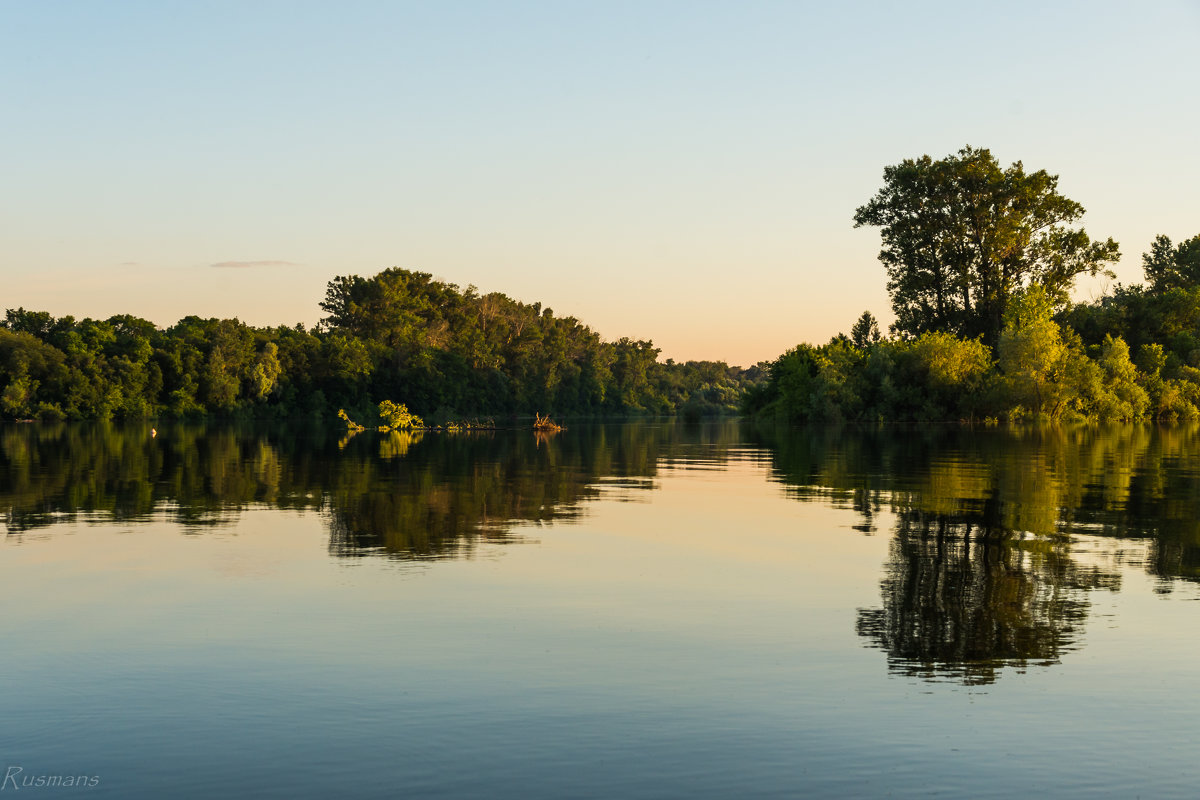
(1131, 355)
(444, 352)
(1170, 267)
(961, 236)
(980, 261)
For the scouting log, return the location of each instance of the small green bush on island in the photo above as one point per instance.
(396, 417)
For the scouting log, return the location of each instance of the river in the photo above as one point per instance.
(636, 610)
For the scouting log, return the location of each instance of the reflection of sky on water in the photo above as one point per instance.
(981, 571)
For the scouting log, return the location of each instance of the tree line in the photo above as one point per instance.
(980, 262)
(445, 352)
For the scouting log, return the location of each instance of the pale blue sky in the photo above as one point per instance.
(678, 171)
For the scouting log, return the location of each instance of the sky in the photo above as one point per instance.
(684, 172)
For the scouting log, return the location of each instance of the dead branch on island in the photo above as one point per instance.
(545, 424)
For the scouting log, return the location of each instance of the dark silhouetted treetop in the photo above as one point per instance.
(1169, 267)
(865, 331)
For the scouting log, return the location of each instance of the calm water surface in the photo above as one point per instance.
(614, 611)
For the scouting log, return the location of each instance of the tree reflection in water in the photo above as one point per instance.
(961, 600)
(409, 495)
(982, 571)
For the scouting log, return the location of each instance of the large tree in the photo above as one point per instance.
(961, 235)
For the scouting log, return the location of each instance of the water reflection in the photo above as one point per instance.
(982, 572)
(961, 600)
(400, 495)
(1131, 481)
